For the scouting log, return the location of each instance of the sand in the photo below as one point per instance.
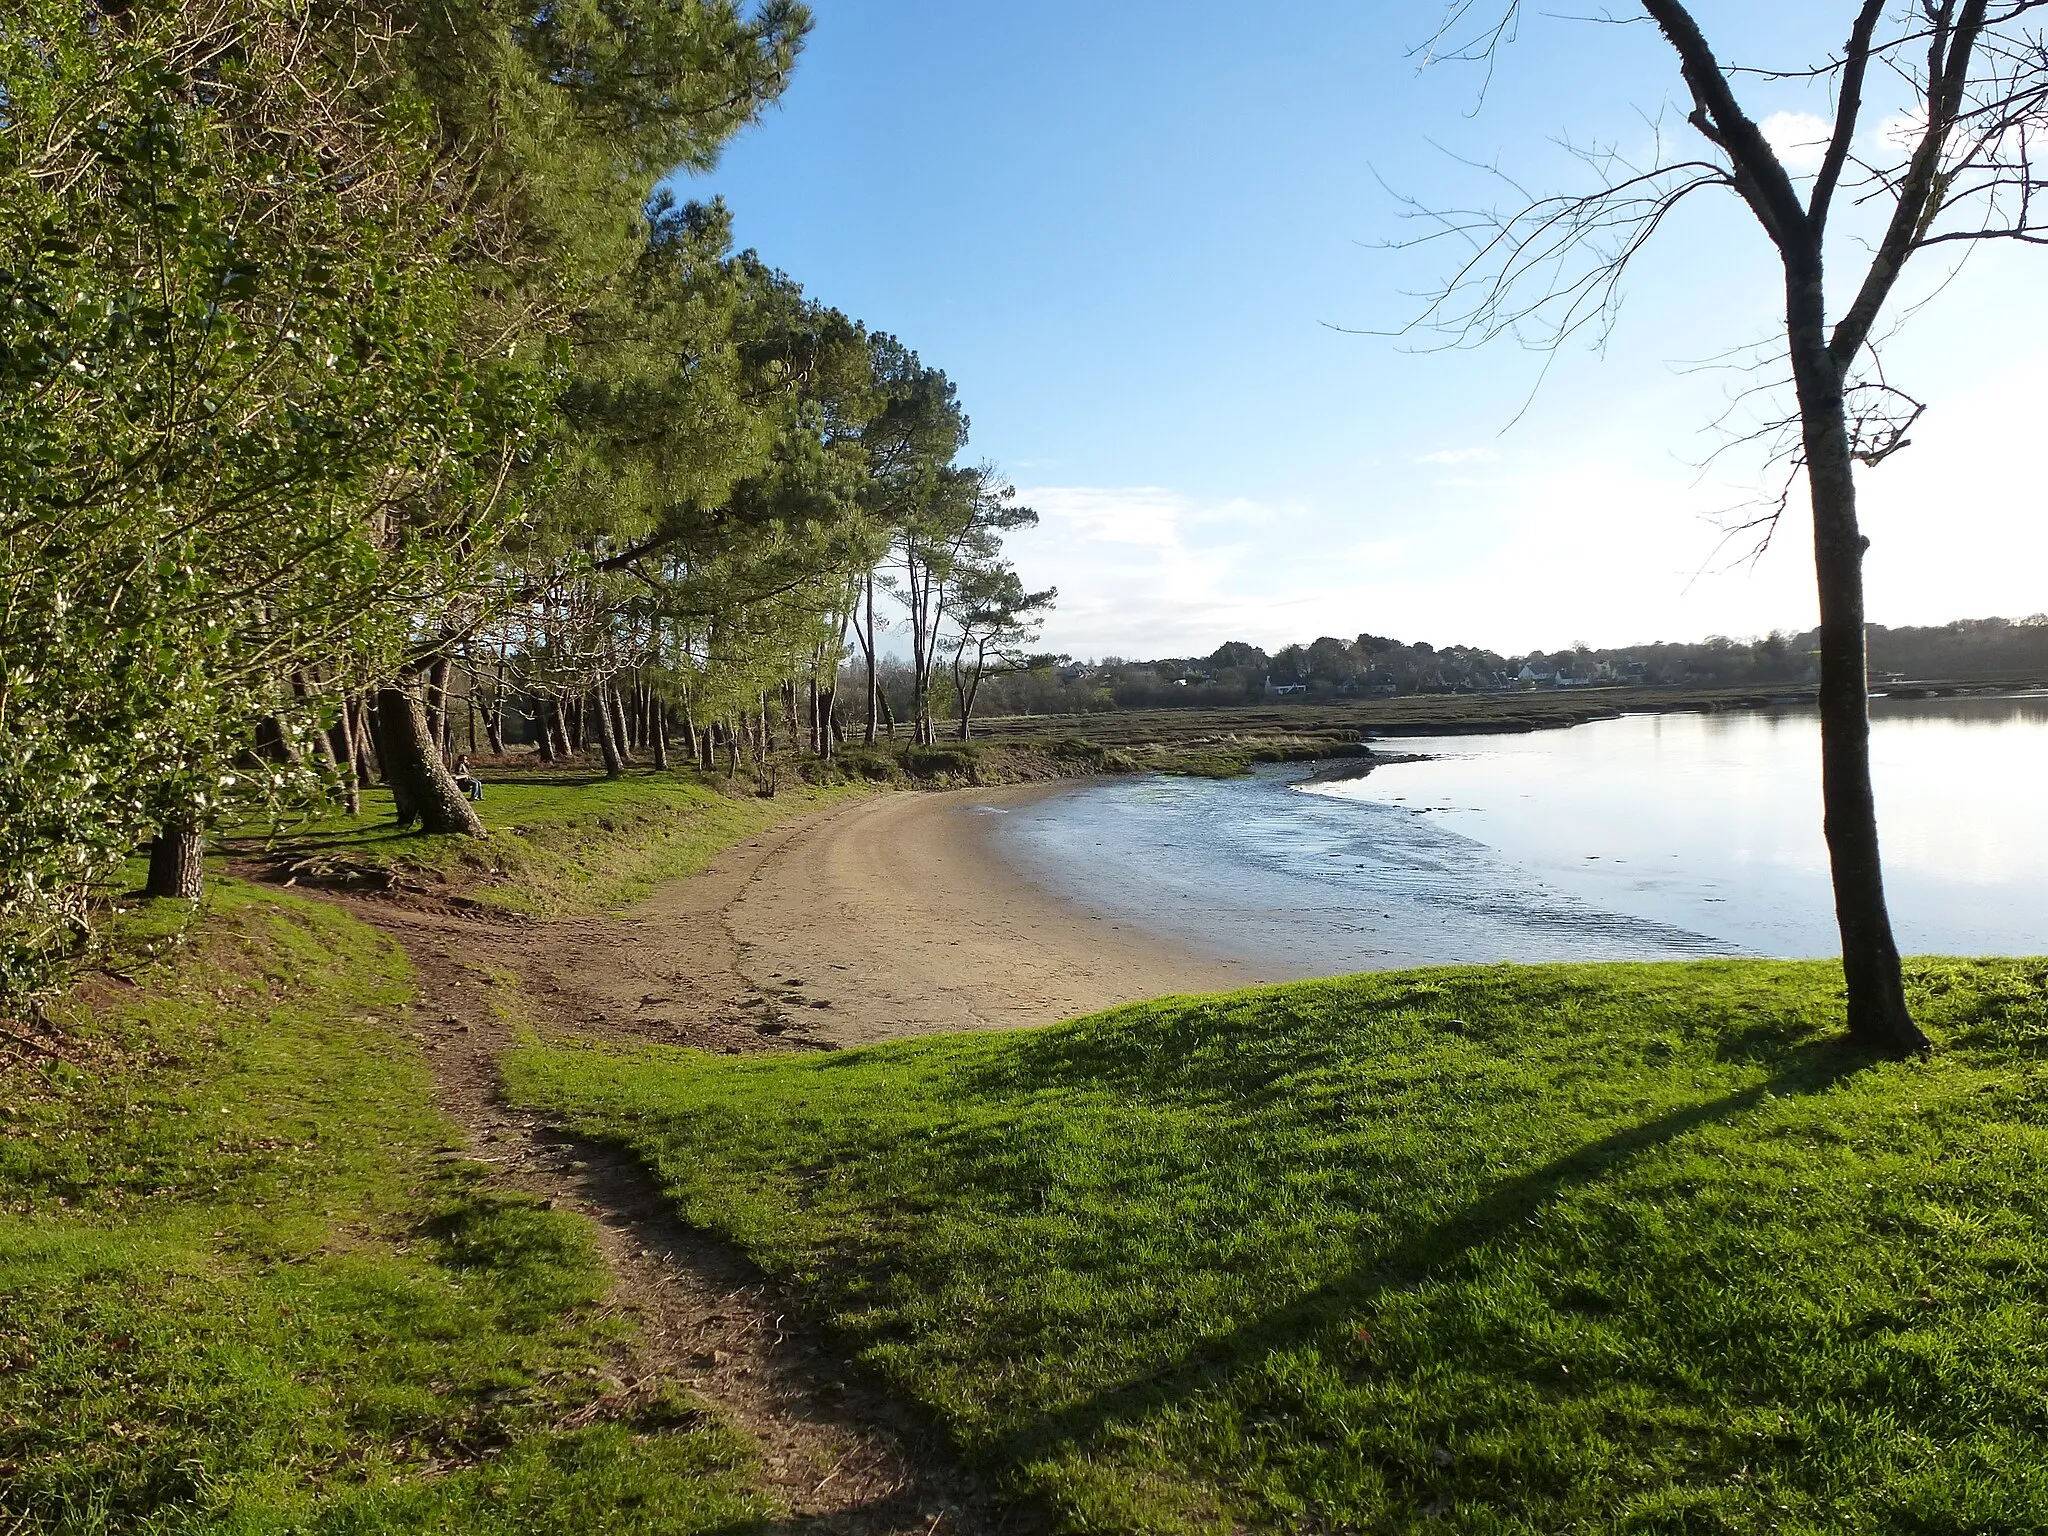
(883, 917)
(894, 916)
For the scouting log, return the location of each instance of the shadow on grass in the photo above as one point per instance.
(1812, 1069)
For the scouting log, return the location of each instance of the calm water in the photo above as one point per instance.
(1652, 836)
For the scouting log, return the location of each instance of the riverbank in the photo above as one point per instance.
(1335, 727)
(237, 1159)
(1613, 1247)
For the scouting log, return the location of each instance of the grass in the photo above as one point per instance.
(566, 843)
(559, 844)
(245, 1287)
(1627, 1248)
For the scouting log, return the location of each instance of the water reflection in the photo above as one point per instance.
(1650, 835)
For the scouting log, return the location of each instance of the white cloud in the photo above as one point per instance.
(1900, 133)
(1459, 456)
(1800, 139)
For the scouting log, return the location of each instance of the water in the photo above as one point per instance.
(1647, 837)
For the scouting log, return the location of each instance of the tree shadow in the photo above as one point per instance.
(1811, 1068)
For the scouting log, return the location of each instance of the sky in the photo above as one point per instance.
(1158, 246)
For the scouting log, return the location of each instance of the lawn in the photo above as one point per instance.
(245, 1287)
(1506, 1249)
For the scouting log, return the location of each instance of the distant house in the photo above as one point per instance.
(1283, 690)
(1531, 673)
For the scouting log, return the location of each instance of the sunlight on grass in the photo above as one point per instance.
(558, 845)
(243, 1289)
(1622, 1247)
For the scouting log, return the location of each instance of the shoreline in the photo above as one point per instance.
(895, 916)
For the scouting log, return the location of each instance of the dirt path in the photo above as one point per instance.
(881, 917)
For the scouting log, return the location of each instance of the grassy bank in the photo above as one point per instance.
(1613, 1248)
(567, 841)
(559, 844)
(244, 1288)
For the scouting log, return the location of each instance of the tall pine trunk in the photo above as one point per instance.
(622, 734)
(419, 777)
(868, 651)
(607, 737)
(1878, 1016)
(658, 733)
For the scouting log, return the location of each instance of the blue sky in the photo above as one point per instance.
(1129, 233)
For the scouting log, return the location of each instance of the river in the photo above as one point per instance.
(1643, 837)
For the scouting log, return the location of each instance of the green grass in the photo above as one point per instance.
(558, 845)
(1602, 1248)
(244, 1288)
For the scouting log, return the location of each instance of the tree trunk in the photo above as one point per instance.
(868, 650)
(1878, 1016)
(341, 741)
(608, 699)
(888, 714)
(607, 738)
(367, 763)
(437, 702)
(659, 733)
(543, 729)
(494, 724)
(386, 771)
(827, 713)
(425, 790)
(177, 860)
(271, 741)
(689, 730)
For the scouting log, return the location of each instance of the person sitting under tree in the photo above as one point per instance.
(466, 781)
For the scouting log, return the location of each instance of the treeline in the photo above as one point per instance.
(352, 367)
(1989, 650)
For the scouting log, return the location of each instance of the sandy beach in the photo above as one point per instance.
(886, 916)
(895, 916)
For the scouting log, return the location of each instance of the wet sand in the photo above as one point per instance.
(897, 916)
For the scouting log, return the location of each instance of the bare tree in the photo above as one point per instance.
(1953, 163)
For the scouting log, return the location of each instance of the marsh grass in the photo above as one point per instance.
(1555, 1248)
(245, 1287)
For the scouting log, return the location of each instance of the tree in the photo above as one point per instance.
(911, 489)
(229, 371)
(563, 119)
(955, 529)
(1972, 78)
(994, 619)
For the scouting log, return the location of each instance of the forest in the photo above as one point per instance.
(362, 378)
(1993, 650)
